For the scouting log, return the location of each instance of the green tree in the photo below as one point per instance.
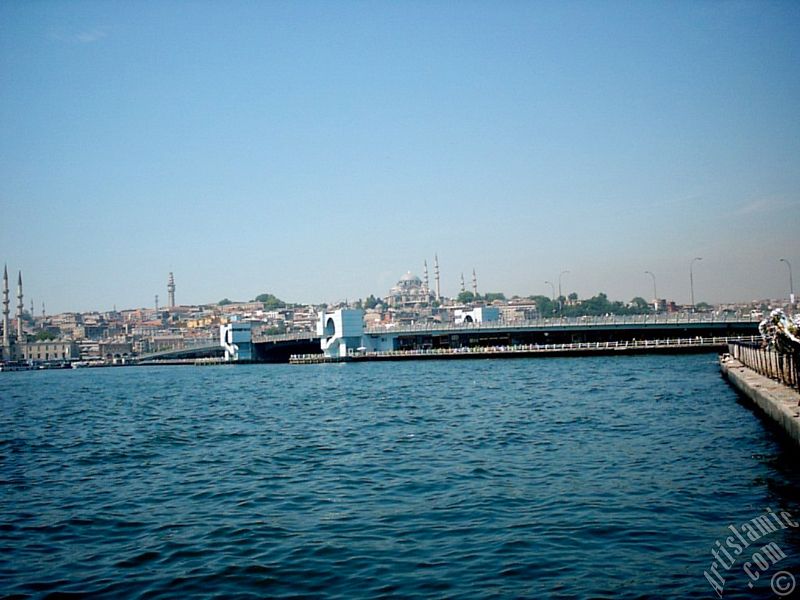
(44, 335)
(639, 304)
(492, 296)
(544, 305)
(224, 302)
(278, 329)
(371, 302)
(466, 297)
(270, 301)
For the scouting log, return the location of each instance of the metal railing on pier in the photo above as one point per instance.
(530, 349)
(778, 366)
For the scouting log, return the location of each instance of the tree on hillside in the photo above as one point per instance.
(467, 297)
(270, 301)
(371, 302)
(224, 302)
(492, 296)
(544, 305)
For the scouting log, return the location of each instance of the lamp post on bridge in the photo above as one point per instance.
(791, 284)
(560, 304)
(691, 278)
(554, 293)
(655, 294)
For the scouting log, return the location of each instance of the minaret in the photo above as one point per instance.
(156, 302)
(20, 308)
(474, 283)
(463, 289)
(171, 291)
(6, 313)
(425, 275)
(436, 274)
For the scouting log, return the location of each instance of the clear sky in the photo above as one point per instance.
(318, 150)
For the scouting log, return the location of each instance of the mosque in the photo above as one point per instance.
(412, 293)
(10, 344)
(17, 347)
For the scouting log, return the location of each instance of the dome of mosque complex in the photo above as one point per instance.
(410, 292)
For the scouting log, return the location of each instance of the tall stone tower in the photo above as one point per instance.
(463, 289)
(171, 291)
(425, 276)
(474, 283)
(20, 309)
(6, 314)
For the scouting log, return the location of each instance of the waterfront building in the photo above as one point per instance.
(52, 350)
(514, 311)
(115, 349)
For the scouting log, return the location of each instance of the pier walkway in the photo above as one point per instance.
(678, 345)
(769, 380)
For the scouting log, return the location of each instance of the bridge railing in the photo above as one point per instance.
(189, 344)
(778, 366)
(604, 321)
(587, 322)
(285, 337)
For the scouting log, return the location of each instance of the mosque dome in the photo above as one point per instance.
(409, 292)
(410, 278)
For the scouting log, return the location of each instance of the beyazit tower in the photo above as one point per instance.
(171, 291)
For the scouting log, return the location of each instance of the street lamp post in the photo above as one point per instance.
(554, 293)
(560, 304)
(791, 283)
(691, 278)
(655, 294)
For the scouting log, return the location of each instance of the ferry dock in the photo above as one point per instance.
(665, 346)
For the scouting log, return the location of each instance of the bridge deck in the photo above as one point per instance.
(575, 324)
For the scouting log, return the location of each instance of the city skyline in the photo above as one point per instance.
(170, 287)
(318, 152)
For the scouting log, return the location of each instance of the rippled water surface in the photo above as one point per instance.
(588, 477)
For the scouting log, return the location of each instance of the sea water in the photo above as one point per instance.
(594, 477)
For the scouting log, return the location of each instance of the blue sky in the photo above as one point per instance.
(318, 150)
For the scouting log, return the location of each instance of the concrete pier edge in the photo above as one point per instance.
(776, 400)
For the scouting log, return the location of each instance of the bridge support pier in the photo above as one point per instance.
(341, 331)
(236, 339)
